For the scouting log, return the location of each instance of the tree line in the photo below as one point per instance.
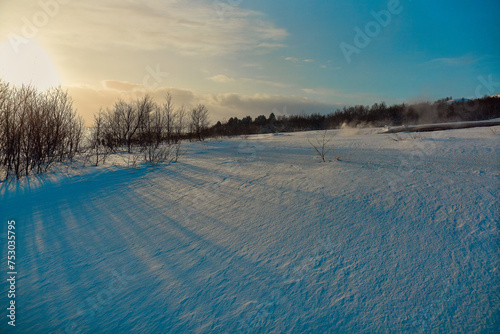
(154, 129)
(36, 130)
(40, 129)
(379, 114)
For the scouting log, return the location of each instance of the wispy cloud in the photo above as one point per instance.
(221, 78)
(298, 60)
(292, 59)
(266, 82)
(187, 27)
(457, 61)
(341, 95)
(121, 85)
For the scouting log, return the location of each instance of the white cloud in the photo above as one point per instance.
(298, 60)
(309, 91)
(221, 78)
(457, 61)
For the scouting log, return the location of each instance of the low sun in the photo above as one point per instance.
(28, 64)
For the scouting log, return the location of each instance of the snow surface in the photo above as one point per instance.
(257, 235)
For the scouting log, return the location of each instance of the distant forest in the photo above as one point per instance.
(379, 114)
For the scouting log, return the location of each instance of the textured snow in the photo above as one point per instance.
(257, 235)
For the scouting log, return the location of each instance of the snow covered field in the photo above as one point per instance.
(257, 235)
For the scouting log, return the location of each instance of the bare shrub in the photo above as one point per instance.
(156, 132)
(40, 129)
(416, 135)
(395, 137)
(177, 151)
(37, 129)
(154, 129)
(321, 146)
(100, 146)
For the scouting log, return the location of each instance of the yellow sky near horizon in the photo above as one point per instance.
(243, 57)
(104, 50)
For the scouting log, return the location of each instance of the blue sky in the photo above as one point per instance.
(242, 57)
(431, 49)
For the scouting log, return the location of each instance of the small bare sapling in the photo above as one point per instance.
(322, 146)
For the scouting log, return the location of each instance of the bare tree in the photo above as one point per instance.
(155, 144)
(179, 122)
(321, 146)
(144, 106)
(199, 121)
(168, 115)
(128, 122)
(96, 139)
(4, 125)
(36, 129)
(75, 137)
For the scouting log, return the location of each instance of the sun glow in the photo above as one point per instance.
(27, 64)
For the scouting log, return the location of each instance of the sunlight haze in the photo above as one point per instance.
(251, 57)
